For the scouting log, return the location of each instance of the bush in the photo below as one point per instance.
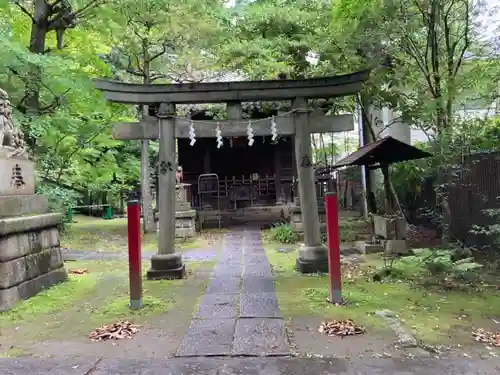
(283, 233)
(432, 266)
(59, 198)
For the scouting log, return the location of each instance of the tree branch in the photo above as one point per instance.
(25, 11)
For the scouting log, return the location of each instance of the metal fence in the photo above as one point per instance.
(474, 189)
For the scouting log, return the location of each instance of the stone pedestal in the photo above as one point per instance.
(30, 256)
(296, 217)
(185, 217)
(393, 232)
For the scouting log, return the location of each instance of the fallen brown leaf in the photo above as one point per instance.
(340, 328)
(79, 271)
(490, 338)
(115, 331)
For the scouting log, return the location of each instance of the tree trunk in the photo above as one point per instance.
(149, 224)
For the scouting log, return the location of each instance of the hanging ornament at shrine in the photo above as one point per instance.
(250, 133)
(274, 131)
(219, 136)
(192, 134)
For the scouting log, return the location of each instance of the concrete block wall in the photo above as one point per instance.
(30, 257)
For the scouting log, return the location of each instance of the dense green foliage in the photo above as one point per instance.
(418, 52)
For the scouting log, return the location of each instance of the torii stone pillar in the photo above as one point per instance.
(166, 264)
(312, 255)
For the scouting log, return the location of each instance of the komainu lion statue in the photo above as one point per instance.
(11, 139)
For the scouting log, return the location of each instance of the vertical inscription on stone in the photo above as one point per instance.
(17, 179)
(305, 162)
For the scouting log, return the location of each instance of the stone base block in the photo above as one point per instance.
(166, 266)
(395, 247)
(369, 248)
(17, 176)
(30, 257)
(309, 266)
(185, 226)
(18, 205)
(296, 219)
(312, 259)
(172, 274)
(15, 271)
(11, 296)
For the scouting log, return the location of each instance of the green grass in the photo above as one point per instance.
(433, 316)
(95, 298)
(351, 229)
(97, 234)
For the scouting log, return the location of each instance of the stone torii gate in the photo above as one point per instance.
(166, 127)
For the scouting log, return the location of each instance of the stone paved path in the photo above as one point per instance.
(239, 313)
(247, 366)
(192, 255)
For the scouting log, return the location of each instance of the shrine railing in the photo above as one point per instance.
(244, 191)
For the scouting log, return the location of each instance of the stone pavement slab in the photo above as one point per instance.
(260, 337)
(259, 305)
(218, 306)
(212, 337)
(32, 366)
(224, 284)
(258, 284)
(248, 366)
(192, 255)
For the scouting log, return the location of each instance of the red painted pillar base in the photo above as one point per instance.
(134, 254)
(332, 230)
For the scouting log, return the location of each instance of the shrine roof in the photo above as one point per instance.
(216, 92)
(387, 150)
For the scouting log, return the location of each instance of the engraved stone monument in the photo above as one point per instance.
(184, 215)
(30, 256)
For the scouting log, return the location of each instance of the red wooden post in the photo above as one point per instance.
(332, 230)
(134, 254)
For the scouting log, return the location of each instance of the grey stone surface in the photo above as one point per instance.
(260, 337)
(193, 255)
(16, 271)
(30, 258)
(218, 305)
(255, 259)
(11, 296)
(246, 366)
(259, 305)
(404, 338)
(208, 338)
(228, 270)
(258, 269)
(16, 205)
(258, 284)
(60, 366)
(29, 223)
(20, 244)
(25, 172)
(224, 284)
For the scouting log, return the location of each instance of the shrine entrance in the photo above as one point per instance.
(297, 125)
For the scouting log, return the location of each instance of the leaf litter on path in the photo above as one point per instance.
(340, 328)
(115, 331)
(79, 271)
(490, 338)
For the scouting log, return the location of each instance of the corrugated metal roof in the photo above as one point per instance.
(387, 150)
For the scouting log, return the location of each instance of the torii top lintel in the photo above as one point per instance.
(217, 92)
